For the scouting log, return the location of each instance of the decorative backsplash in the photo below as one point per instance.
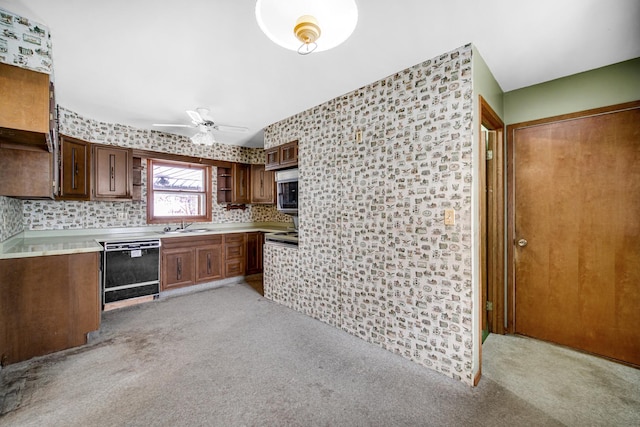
(60, 215)
(378, 260)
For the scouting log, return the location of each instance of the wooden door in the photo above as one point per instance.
(576, 235)
(112, 172)
(178, 268)
(272, 158)
(240, 193)
(262, 185)
(255, 241)
(289, 154)
(74, 173)
(209, 262)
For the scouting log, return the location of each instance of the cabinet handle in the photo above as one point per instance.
(112, 164)
(74, 160)
(179, 268)
(209, 262)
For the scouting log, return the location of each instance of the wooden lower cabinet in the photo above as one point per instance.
(209, 262)
(178, 268)
(255, 243)
(190, 260)
(234, 254)
(48, 303)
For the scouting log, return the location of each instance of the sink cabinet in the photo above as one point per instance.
(190, 260)
(178, 268)
(209, 261)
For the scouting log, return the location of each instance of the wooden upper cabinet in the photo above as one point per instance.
(24, 107)
(272, 158)
(26, 173)
(262, 185)
(112, 170)
(289, 154)
(75, 169)
(282, 157)
(240, 183)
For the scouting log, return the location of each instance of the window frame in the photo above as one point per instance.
(153, 219)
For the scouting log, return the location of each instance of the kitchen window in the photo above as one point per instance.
(178, 191)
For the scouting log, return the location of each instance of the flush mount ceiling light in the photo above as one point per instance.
(306, 26)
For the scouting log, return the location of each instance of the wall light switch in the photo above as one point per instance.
(449, 217)
(358, 136)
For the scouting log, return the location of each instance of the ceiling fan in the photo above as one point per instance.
(201, 120)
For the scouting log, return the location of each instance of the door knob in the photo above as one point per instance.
(522, 243)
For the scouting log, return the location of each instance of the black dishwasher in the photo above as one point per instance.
(130, 270)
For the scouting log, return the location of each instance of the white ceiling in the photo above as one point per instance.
(139, 62)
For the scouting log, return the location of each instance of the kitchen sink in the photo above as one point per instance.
(185, 231)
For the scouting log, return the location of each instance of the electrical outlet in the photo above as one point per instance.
(449, 217)
(121, 215)
(358, 136)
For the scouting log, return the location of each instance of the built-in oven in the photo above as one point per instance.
(130, 270)
(287, 189)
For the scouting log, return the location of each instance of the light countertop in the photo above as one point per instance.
(64, 242)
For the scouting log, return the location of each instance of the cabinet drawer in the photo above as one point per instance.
(234, 250)
(234, 268)
(237, 237)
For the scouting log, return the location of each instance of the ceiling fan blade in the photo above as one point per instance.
(172, 125)
(204, 114)
(195, 116)
(232, 129)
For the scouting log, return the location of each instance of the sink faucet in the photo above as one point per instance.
(183, 226)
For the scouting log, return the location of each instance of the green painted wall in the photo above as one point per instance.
(604, 86)
(486, 85)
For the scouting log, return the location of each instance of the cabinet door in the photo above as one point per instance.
(24, 104)
(112, 172)
(240, 193)
(74, 173)
(255, 242)
(209, 263)
(178, 268)
(272, 158)
(289, 154)
(262, 185)
(26, 173)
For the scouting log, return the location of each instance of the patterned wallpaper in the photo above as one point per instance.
(378, 260)
(24, 43)
(10, 217)
(281, 264)
(58, 215)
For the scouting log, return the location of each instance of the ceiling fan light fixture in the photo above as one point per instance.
(318, 24)
(203, 138)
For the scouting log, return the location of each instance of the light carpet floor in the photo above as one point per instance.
(229, 357)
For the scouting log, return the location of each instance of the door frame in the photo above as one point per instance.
(492, 234)
(511, 129)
